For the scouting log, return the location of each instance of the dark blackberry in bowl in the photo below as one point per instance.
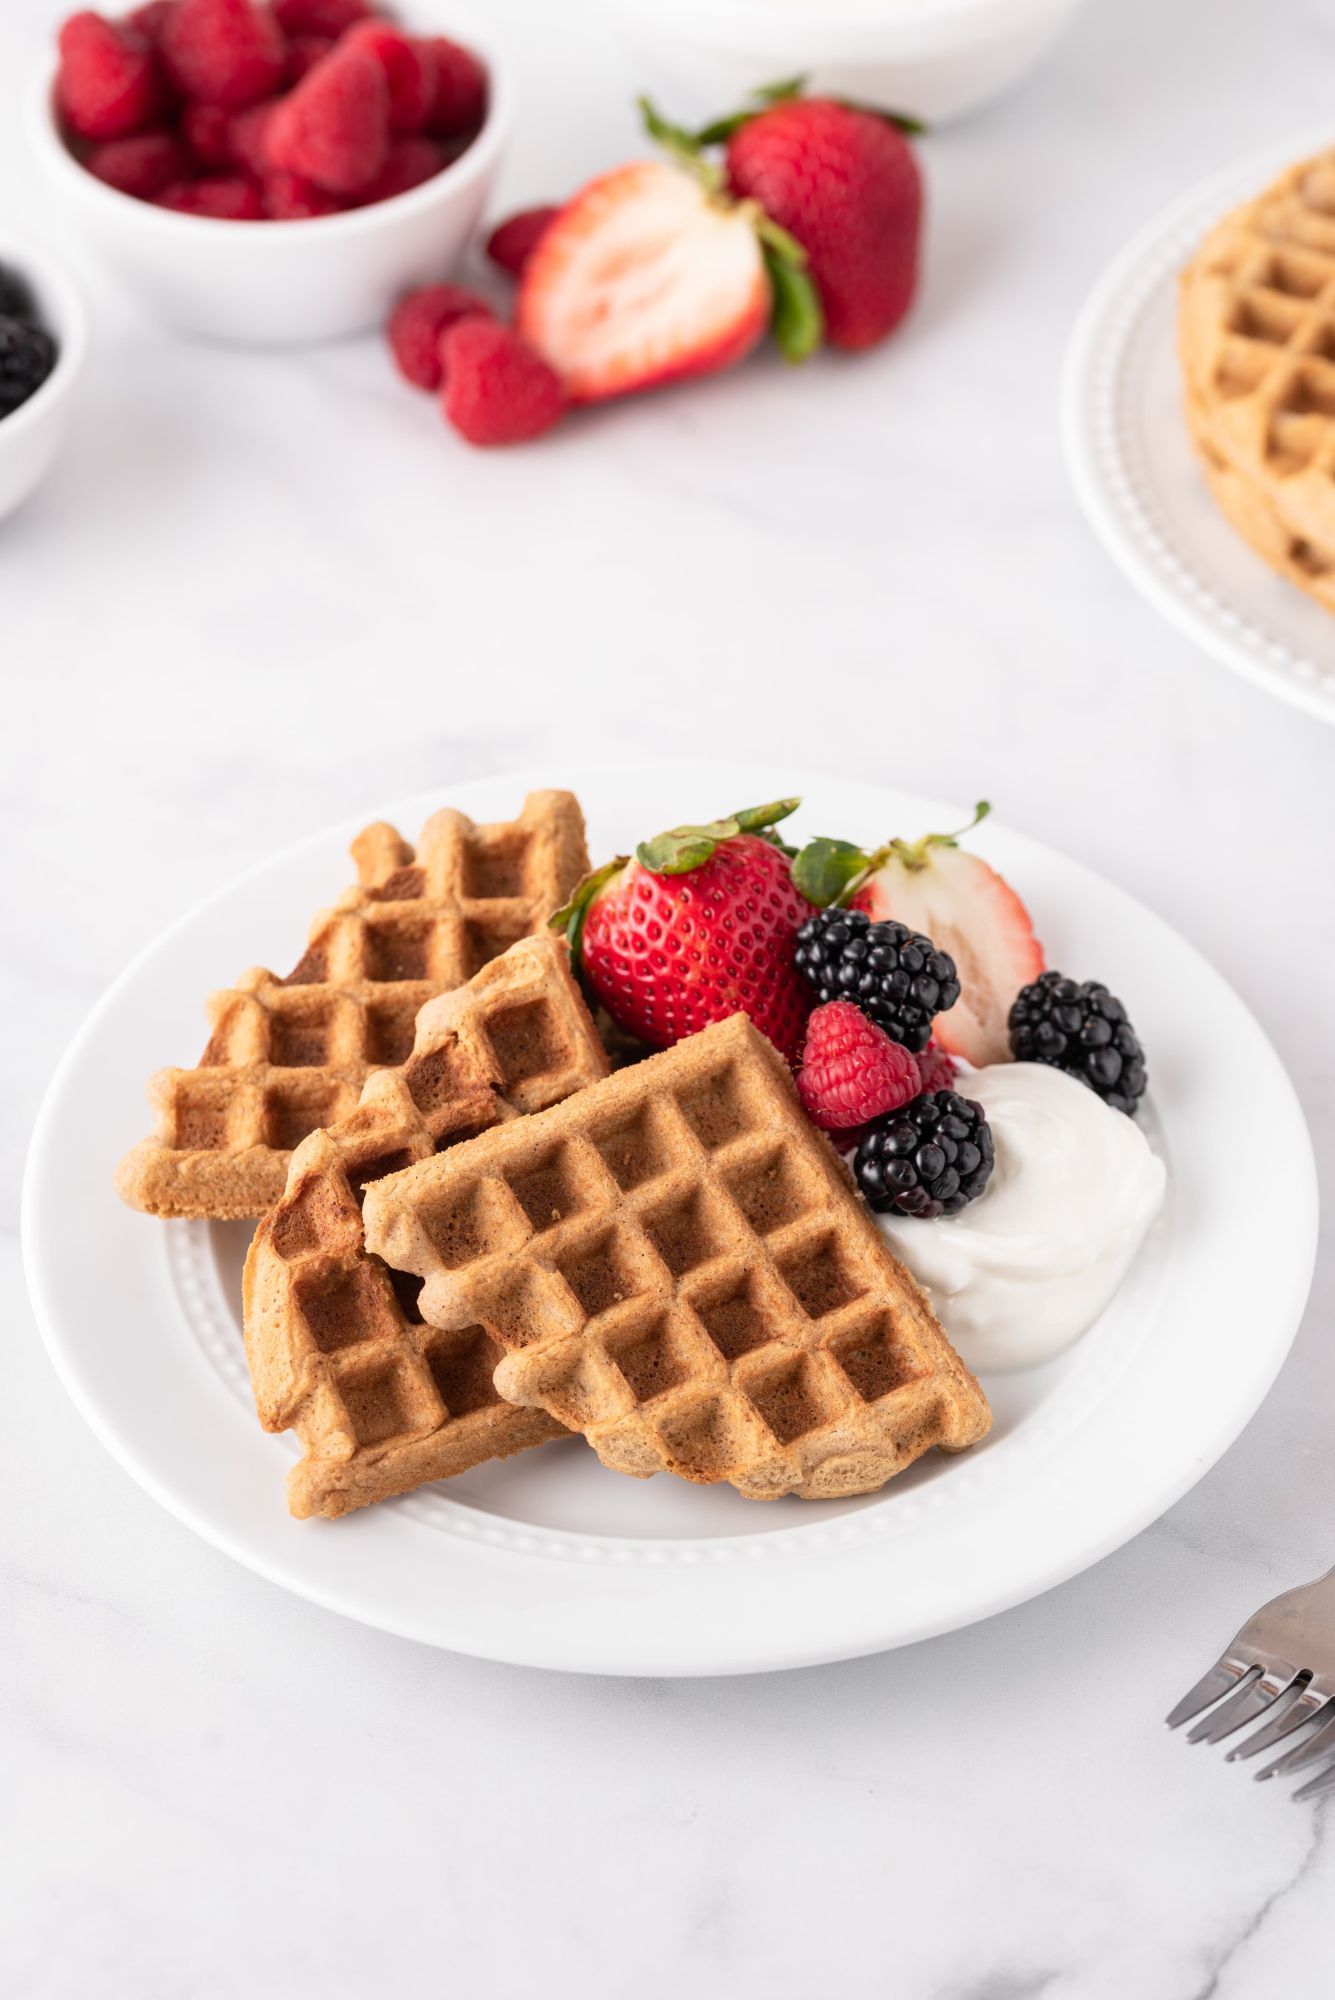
(27, 350)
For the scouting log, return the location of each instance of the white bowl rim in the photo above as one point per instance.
(835, 17)
(47, 274)
(45, 136)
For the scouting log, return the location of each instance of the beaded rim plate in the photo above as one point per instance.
(1135, 472)
(549, 1559)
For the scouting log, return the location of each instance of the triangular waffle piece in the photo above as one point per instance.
(337, 1349)
(677, 1264)
(1256, 336)
(289, 1056)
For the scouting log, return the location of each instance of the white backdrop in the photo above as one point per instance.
(261, 592)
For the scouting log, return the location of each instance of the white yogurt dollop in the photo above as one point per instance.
(1028, 1267)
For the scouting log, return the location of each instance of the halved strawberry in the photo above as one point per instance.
(644, 278)
(964, 906)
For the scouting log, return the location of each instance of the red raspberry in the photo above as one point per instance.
(288, 198)
(461, 89)
(334, 127)
(142, 166)
(247, 137)
(205, 129)
(224, 197)
(410, 71)
(937, 1069)
(513, 241)
(851, 1070)
(303, 52)
(410, 162)
(224, 51)
(108, 83)
(147, 21)
(417, 324)
(319, 17)
(497, 389)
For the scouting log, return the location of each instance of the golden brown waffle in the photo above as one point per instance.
(676, 1263)
(1256, 336)
(337, 1349)
(288, 1056)
(1250, 512)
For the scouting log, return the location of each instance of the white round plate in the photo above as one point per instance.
(550, 1560)
(1136, 474)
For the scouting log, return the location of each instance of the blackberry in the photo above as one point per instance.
(15, 299)
(1083, 1030)
(896, 976)
(27, 356)
(931, 1157)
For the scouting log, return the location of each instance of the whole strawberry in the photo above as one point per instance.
(845, 184)
(699, 925)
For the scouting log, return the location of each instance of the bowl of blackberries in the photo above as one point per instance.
(272, 170)
(43, 341)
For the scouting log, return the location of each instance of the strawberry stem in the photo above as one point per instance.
(682, 147)
(832, 871)
(913, 853)
(796, 319)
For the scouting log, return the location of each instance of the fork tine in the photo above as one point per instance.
(1223, 1676)
(1322, 1782)
(1248, 1700)
(1296, 1706)
(1319, 1744)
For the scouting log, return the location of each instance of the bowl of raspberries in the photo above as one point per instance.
(43, 342)
(272, 172)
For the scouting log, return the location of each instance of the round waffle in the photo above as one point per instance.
(1256, 336)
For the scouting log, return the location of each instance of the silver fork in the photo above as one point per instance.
(1281, 1666)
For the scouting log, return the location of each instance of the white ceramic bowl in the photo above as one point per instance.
(320, 279)
(31, 436)
(935, 59)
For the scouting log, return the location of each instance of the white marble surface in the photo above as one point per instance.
(261, 592)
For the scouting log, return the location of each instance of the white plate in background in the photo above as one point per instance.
(1136, 474)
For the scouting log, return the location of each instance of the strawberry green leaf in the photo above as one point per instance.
(720, 130)
(913, 128)
(675, 137)
(796, 319)
(571, 918)
(753, 819)
(827, 870)
(779, 93)
(683, 848)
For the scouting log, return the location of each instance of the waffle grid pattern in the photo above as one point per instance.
(337, 1348)
(1257, 342)
(289, 1056)
(676, 1264)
